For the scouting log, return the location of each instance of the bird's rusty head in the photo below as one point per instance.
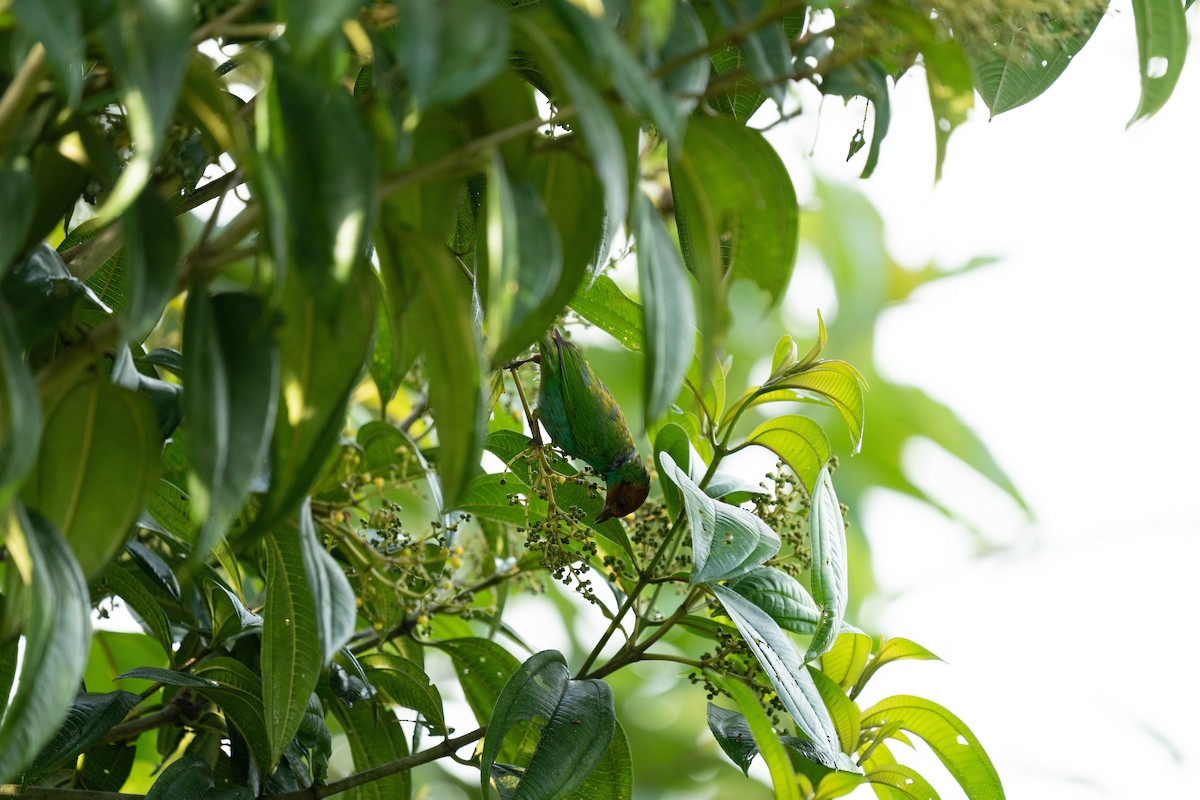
(627, 490)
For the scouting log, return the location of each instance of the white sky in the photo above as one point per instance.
(1075, 360)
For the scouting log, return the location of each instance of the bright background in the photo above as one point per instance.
(1070, 645)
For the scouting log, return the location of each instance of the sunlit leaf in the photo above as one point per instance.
(608, 308)
(847, 720)
(905, 782)
(949, 738)
(669, 318)
(891, 650)
(43, 578)
(798, 441)
(844, 662)
(837, 383)
(781, 596)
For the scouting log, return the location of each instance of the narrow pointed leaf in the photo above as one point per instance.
(798, 441)
(743, 219)
(321, 357)
(949, 738)
(141, 601)
(404, 683)
(668, 315)
(332, 595)
(232, 387)
(152, 251)
(847, 719)
(732, 732)
(905, 782)
(291, 646)
(830, 587)
(43, 577)
(483, 668)
(608, 308)
(844, 662)
(453, 363)
(1162, 39)
(891, 650)
(671, 440)
(147, 43)
(20, 412)
(781, 662)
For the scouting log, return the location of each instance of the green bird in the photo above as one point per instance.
(584, 420)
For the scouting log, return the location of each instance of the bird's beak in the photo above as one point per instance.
(604, 516)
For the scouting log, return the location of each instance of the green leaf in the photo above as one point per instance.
(404, 683)
(152, 251)
(230, 617)
(524, 261)
(844, 662)
(837, 784)
(231, 365)
(449, 49)
(311, 25)
(239, 694)
(90, 717)
(778, 658)
(891, 650)
(672, 440)
(317, 182)
(781, 596)
(291, 646)
(830, 584)
(733, 734)
(483, 669)
(847, 719)
(99, 459)
(905, 782)
(836, 382)
(798, 441)
(765, 48)
(321, 357)
(16, 189)
(949, 738)
(141, 601)
(57, 24)
(20, 412)
(608, 308)
(1162, 38)
(612, 777)
(596, 34)
(375, 738)
(864, 78)
(452, 362)
(147, 44)
(596, 124)
(727, 540)
(329, 590)
(191, 778)
(44, 580)
(1022, 54)
(575, 718)
(753, 727)
(668, 315)
(736, 210)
